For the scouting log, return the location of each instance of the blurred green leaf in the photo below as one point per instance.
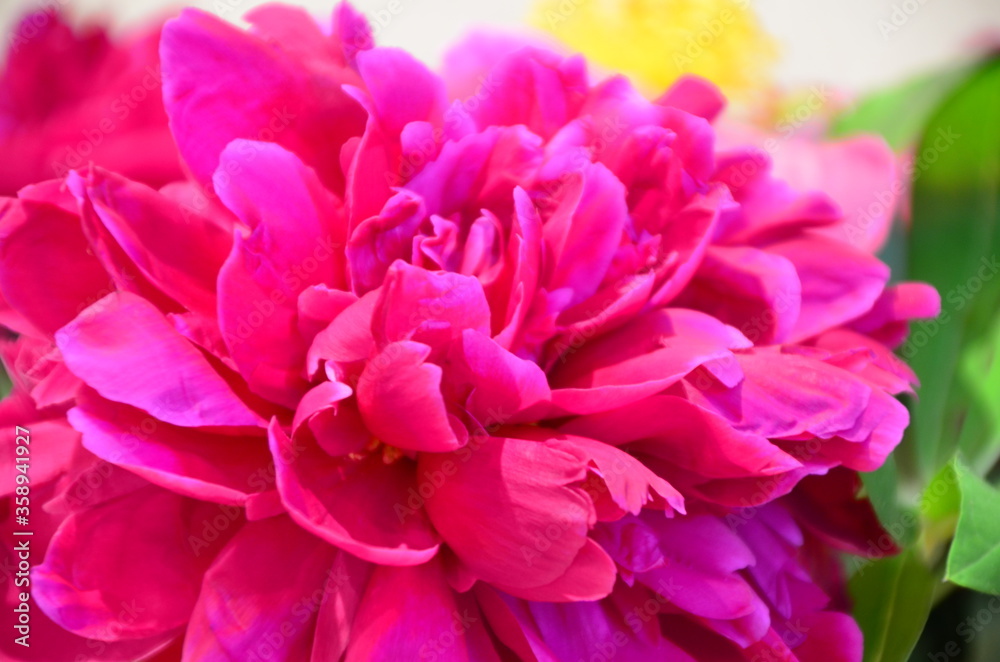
(882, 489)
(899, 113)
(940, 504)
(954, 245)
(892, 599)
(5, 384)
(979, 372)
(974, 559)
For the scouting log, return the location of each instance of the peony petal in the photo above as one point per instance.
(242, 597)
(502, 385)
(585, 229)
(521, 496)
(402, 89)
(411, 613)
(361, 506)
(399, 396)
(756, 291)
(47, 273)
(221, 83)
(415, 301)
(178, 251)
(687, 435)
(297, 242)
(128, 352)
(640, 359)
(130, 567)
(838, 287)
(200, 465)
(380, 240)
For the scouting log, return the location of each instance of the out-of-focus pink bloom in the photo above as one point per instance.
(400, 375)
(69, 98)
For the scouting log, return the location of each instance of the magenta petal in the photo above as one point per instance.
(128, 352)
(412, 614)
(342, 593)
(701, 576)
(513, 624)
(415, 300)
(60, 442)
(590, 576)
(630, 484)
(833, 637)
(201, 465)
(838, 287)
(47, 273)
(756, 291)
(360, 506)
(242, 597)
(348, 338)
(502, 385)
(379, 241)
(402, 89)
(399, 395)
(640, 359)
(696, 96)
(133, 553)
(221, 83)
(860, 174)
(508, 491)
(585, 230)
(297, 242)
(179, 251)
(687, 435)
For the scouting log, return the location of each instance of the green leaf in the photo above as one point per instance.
(954, 245)
(979, 373)
(882, 489)
(899, 113)
(974, 559)
(892, 598)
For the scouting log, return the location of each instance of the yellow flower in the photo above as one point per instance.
(656, 41)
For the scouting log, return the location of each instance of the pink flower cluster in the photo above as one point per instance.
(498, 364)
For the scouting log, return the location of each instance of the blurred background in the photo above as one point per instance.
(858, 45)
(923, 74)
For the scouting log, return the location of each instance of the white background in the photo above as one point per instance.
(833, 41)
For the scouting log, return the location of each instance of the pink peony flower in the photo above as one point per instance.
(69, 98)
(523, 374)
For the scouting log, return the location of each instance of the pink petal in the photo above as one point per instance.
(838, 287)
(640, 359)
(360, 506)
(691, 437)
(177, 250)
(785, 395)
(297, 242)
(268, 94)
(381, 240)
(415, 301)
(128, 568)
(128, 352)
(242, 597)
(518, 494)
(502, 385)
(860, 174)
(399, 396)
(696, 96)
(756, 291)
(585, 230)
(47, 273)
(201, 465)
(412, 613)
(402, 89)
